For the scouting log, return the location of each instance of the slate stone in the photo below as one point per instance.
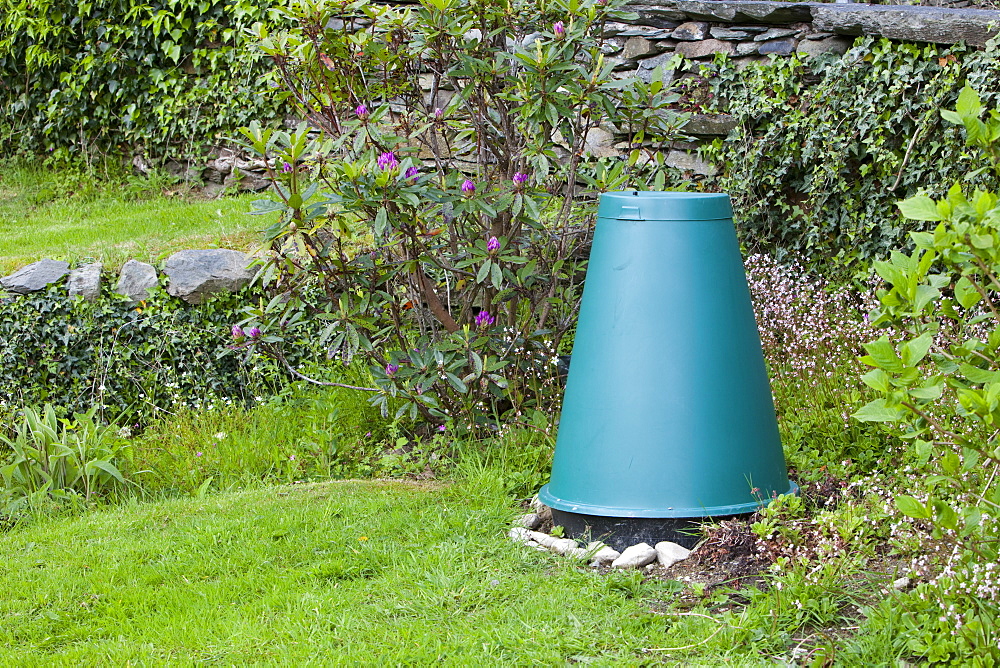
(706, 47)
(838, 45)
(252, 181)
(646, 76)
(600, 143)
(692, 31)
(136, 280)
(689, 162)
(195, 275)
(775, 33)
(939, 25)
(648, 33)
(638, 47)
(35, 276)
(780, 47)
(613, 28)
(747, 48)
(86, 281)
(730, 12)
(655, 61)
(710, 124)
(728, 35)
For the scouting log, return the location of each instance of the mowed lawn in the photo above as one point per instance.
(328, 574)
(41, 218)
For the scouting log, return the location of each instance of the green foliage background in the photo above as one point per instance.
(167, 77)
(825, 147)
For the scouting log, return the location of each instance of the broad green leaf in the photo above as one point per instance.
(877, 379)
(945, 515)
(878, 411)
(910, 507)
(882, 354)
(979, 376)
(966, 293)
(912, 352)
(927, 392)
(919, 207)
(107, 467)
(968, 102)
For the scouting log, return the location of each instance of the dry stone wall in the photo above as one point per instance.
(755, 31)
(698, 30)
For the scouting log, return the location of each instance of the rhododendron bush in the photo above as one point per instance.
(436, 209)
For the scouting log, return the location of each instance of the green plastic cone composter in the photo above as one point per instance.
(668, 412)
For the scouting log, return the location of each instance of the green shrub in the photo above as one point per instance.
(131, 363)
(938, 377)
(57, 461)
(449, 228)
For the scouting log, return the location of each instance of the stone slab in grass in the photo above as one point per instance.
(136, 280)
(86, 281)
(195, 275)
(35, 276)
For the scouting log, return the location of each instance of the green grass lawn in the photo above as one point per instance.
(327, 574)
(47, 214)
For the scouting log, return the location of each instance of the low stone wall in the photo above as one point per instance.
(192, 275)
(940, 25)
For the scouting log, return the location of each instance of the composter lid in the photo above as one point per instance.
(649, 205)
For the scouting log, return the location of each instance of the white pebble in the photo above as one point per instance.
(668, 553)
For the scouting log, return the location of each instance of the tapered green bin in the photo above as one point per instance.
(668, 410)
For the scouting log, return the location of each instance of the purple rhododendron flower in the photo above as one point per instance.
(387, 161)
(468, 187)
(254, 332)
(484, 319)
(493, 244)
(391, 369)
(238, 332)
(287, 167)
(413, 173)
(362, 111)
(438, 114)
(559, 29)
(519, 180)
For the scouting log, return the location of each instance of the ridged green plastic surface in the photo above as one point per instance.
(668, 410)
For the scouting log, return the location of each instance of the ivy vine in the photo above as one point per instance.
(82, 78)
(825, 147)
